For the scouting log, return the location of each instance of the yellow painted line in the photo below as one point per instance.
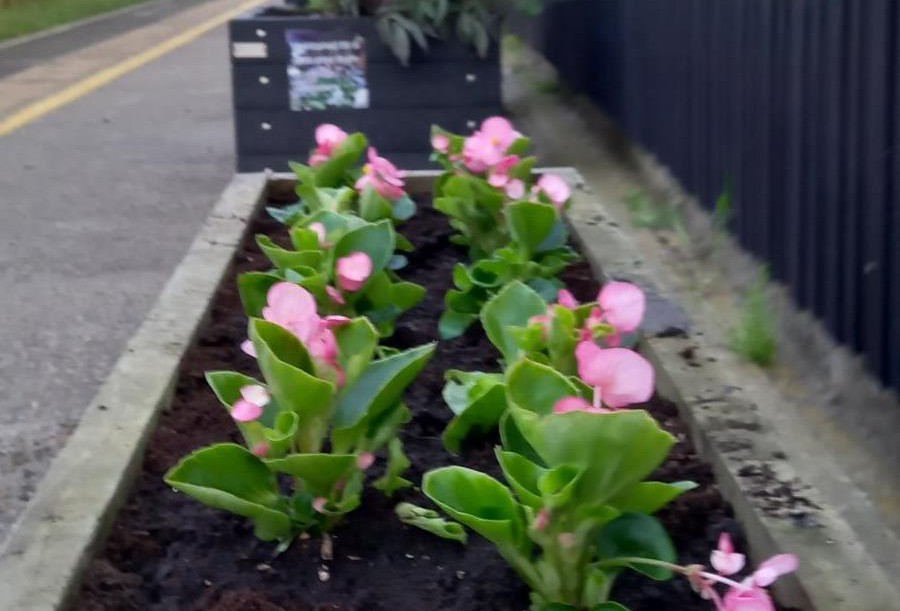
(38, 109)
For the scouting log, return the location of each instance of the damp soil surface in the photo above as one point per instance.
(169, 552)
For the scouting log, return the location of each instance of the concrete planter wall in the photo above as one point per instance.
(450, 85)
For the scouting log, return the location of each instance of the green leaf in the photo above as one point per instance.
(356, 345)
(610, 606)
(479, 502)
(287, 215)
(615, 451)
(406, 295)
(404, 208)
(227, 476)
(453, 324)
(523, 476)
(380, 386)
(639, 536)
(537, 387)
(513, 306)
(478, 401)
(398, 463)
(287, 369)
(253, 288)
(430, 520)
(375, 239)
(319, 472)
(373, 207)
(333, 172)
(303, 238)
(288, 259)
(530, 223)
(649, 497)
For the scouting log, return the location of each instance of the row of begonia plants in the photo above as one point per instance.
(576, 507)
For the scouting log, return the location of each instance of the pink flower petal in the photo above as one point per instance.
(566, 299)
(440, 143)
(557, 189)
(255, 393)
(622, 376)
(773, 568)
(623, 305)
(747, 599)
(261, 449)
(330, 135)
(244, 411)
(248, 348)
(515, 189)
(365, 460)
(724, 559)
(335, 295)
(334, 321)
(576, 404)
(320, 231)
(319, 504)
(542, 519)
(353, 271)
(289, 303)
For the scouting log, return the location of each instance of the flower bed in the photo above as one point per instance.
(168, 551)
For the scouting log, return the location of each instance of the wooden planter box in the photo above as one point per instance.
(292, 73)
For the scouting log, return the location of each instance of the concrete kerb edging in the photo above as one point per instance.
(53, 540)
(753, 473)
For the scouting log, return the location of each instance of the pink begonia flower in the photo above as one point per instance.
(383, 176)
(557, 189)
(724, 559)
(334, 321)
(773, 568)
(542, 519)
(353, 271)
(328, 138)
(292, 307)
(320, 231)
(566, 299)
(487, 147)
(250, 406)
(750, 595)
(319, 504)
(261, 449)
(620, 377)
(577, 404)
(335, 295)
(749, 599)
(499, 175)
(440, 143)
(365, 460)
(515, 189)
(622, 305)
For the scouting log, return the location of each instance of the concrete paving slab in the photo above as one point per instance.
(99, 202)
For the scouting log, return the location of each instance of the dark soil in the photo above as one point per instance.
(167, 551)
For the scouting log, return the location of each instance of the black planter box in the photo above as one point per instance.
(279, 64)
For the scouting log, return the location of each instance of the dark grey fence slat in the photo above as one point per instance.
(796, 105)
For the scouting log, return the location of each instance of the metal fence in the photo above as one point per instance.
(795, 104)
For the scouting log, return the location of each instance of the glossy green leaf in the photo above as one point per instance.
(373, 207)
(537, 387)
(640, 536)
(380, 386)
(404, 208)
(615, 451)
(430, 520)
(303, 238)
(453, 324)
(530, 223)
(227, 476)
(288, 259)
(478, 401)
(649, 497)
(375, 239)
(333, 172)
(319, 472)
(513, 306)
(253, 287)
(397, 465)
(479, 502)
(356, 346)
(522, 475)
(407, 295)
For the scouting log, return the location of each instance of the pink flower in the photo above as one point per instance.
(353, 271)
(291, 306)
(620, 377)
(250, 407)
(576, 404)
(499, 175)
(724, 559)
(383, 176)
(515, 189)
(328, 138)
(365, 460)
(773, 568)
(622, 305)
(557, 189)
(487, 147)
(440, 143)
(319, 504)
(320, 231)
(747, 599)
(566, 299)
(335, 295)
(542, 519)
(261, 449)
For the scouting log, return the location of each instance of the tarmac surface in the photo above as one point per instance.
(99, 201)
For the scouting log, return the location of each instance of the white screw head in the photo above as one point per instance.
(264, 80)
(471, 124)
(266, 126)
(260, 33)
(471, 78)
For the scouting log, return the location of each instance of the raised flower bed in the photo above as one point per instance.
(566, 408)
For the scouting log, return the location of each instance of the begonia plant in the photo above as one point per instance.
(347, 263)
(581, 341)
(325, 406)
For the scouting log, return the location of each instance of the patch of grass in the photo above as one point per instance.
(754, 337)
(20, 17)
(651, 214)
(549, 86)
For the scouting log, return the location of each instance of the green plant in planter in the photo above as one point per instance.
(337, 180)
(404, 23)
(327, 405)
(348, 264)
(539, 341)
(576, 509)
(510, 220)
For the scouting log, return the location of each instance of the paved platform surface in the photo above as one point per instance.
(99, 201)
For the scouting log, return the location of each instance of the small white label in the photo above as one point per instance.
(249, 50)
